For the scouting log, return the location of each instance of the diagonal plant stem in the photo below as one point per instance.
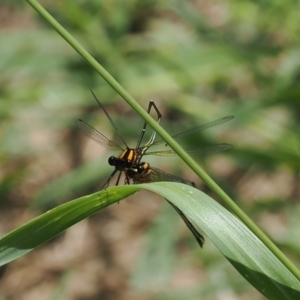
(166, 137)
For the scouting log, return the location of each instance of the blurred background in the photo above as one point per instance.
(198, 61)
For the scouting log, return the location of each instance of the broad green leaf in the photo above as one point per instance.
(252, 259)
(41, 229)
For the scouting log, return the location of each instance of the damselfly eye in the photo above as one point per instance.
(112, 161)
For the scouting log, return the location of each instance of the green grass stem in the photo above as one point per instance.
(166, 137)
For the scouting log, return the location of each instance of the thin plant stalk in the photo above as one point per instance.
(166, 137)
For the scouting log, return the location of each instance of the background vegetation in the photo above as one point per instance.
(199, 61)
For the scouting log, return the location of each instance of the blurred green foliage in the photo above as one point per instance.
(199, 61)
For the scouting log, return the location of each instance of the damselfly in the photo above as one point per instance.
(129, 161)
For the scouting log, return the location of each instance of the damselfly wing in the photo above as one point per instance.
(129, 161)
(132, 156)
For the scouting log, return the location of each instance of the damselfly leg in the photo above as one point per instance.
(129, 157)
(129, 161)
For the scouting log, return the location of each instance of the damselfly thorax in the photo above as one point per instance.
(129, 162)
